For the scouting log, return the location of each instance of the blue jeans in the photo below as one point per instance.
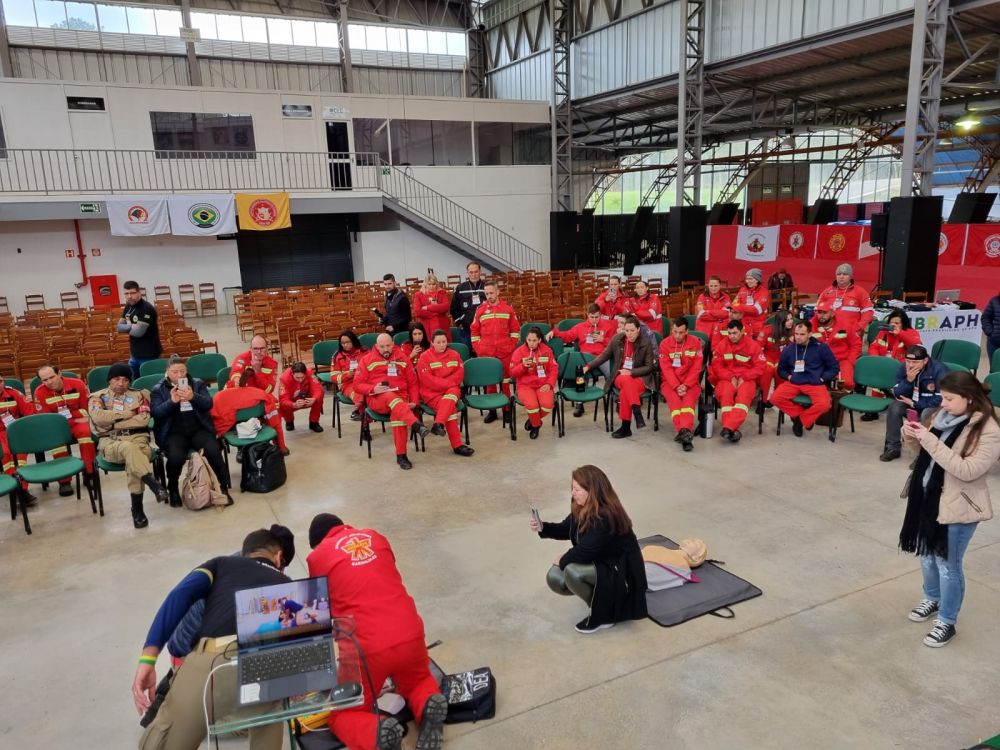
(944, 580)
(135, 363)
(465, 337)
(990, 348)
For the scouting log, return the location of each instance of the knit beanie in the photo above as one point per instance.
(756, 273)
(119, 370)
(321, 525)
(845, 268)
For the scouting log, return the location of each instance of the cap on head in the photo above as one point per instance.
(119, 370)
(916, 352)
(845, 268)
(756, 273)
(823, 307)
(321, 525)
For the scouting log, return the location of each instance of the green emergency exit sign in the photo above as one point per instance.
(90, 208)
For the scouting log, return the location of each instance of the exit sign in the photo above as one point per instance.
(90, 208)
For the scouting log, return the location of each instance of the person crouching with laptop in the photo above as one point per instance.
(180, 722)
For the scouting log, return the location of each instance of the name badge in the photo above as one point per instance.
(391, 370)
(605, 317)
(186, 406)
(627, 364)
(800, 365)
(837, 303)
(540, 371)
(7, 419)
(353, 365)
(476, 299)
(64, 412)
(590, 338)
(118, 406)
(677, 362)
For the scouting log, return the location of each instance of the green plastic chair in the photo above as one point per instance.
(954, 367)
(805, 402)
(153, 367)
(206, 366)
(11, 487)
(567, 323)
(992, 383)
(37, 381)
(557, 345)
(38, 433)
(960, 352)
(370, 415)
(147, 382)
(568, 362)
(266, 434)
(221, 378)
(322, 353)
(17, 385)
(97, 378)
(455, 334)
(994, 363)
(544, 326)
(400, 337)
(873, 372)
(481, 372)
(368, 340)
(462, 349)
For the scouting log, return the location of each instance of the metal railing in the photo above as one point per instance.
(125, 172)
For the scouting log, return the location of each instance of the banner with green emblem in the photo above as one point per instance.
(193, 215)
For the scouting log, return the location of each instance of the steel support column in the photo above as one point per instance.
(194, 67)
(690, 100)
(923, 96)
(475, 71)
(346, 71)
(561, 114)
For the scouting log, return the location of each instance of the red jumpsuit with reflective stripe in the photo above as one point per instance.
(753, 303)
(712, 313)
(432, 309)
(228, 401)
(398, 372)
(496, 333)
(731, 362)
(610, 309)
(852, 306)
(532, 371)
(72, 404)
(440, 378)
(590, 339)
(889, 344)
(265, 378)
(647, 309)
(845, 344)
(292, 391)
(680, 365)
(343, 368)
(13, 405)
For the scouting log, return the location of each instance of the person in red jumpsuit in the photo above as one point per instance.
(300, 390)
(646, 307)
(842, 338)
(13, 405)
(431, 305)
(255, 368)
(57, 394)
(591, 337)
(894, 341)
(365, 585)
(495, 333)
(387, 381)
(681, 358)
(754, 301)
(534, 370)
(806, 366)
(417, 343)
(344, 366)
(712, 308)
(772, 340)
(737, 364)
(850, 303)
(440, 373)
(612, 301)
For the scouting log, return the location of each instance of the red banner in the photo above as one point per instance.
(797, 241)
(951, 246)
(982, 248)
(722, 242)
(838, 242)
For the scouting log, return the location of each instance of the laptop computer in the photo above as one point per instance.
(285, 639)
(947, 295)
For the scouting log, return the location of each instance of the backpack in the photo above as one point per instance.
(471, 695)
(263, 468)
(200, 487)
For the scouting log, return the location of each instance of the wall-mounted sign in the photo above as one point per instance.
(90, 208)
(298, 111)
(95, 252)
(336, 113)
(69, 252)
(189, 35)
(85, 103)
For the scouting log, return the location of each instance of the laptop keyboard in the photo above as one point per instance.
(270, 665)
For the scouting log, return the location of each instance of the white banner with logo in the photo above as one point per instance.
(139, 216)
(195, 215)
(757, 244)
(939, 324)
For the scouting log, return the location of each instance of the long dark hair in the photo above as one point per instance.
(779, 333)
(602, 500)
(416, 325)
(353, 337)
(904, 319)
(964, 385)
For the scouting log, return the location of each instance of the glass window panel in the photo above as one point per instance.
(201, 135)
(279, 31)
(141, 21)
(304, 33)
(437, 43)
(168, 22)
(375, 36)
(230, 28)
(204, 22)
(371, 136)
(494, 143)
(326, 35)
(19, 12)
(395, 39)
(416, 40)
(81, 16)
(254, 29)
(452, 143)
(456, 44)
(412, 142)
(532, 144)
(356, 36)
(51, 15)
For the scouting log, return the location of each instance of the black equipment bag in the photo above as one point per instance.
(471, 695)
(263, 468)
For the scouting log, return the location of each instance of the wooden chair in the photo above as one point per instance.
(162, 294)
(185, 293)
(34, 302)
(914, 296)
(4, 308)
(206, 296)
(69, 299)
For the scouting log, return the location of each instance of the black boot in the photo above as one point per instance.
(491, 416)
(315, 427)
(624, 431)
(161, 494)
(175, 498)
(419, 428)
(578, 410)
(139, 519)
(637, 414)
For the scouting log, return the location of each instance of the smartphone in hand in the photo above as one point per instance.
(538, 518)
(912, 416)
(182, 382)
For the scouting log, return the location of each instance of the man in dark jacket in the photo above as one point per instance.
(806, 366)
(468, 296)
(632, 369)
(991, 326)
(916, 388)
(397, 314)
(182, 421)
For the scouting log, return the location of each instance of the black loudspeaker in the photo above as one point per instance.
(585, 240)
(686, 232)
(823, 211)
(971, 208)
(723, 213)
(563, 240)
(633, 251)
(880, 224)
(911, 249)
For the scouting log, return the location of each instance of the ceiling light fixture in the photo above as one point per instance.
(967, 122)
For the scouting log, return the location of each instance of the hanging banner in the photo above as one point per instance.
(263, 212)
(720, 242)
(757, 244)
(838, 242)
(196, 215)
(951, 246)
(797, 241)
(140, 216)
(982, 246)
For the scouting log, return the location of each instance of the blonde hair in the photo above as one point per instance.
(430, 279)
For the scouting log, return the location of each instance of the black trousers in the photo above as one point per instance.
(176, 451)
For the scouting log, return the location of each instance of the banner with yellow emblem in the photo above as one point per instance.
(263, 211)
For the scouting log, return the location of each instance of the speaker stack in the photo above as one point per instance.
(910, 257)
(686, 232)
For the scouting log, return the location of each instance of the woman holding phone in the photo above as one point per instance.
(947, 496)
(604, 566)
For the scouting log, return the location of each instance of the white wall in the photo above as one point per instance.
(404, 252)
(41, 266)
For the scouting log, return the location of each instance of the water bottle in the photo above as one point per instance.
(706, 417)
(580, 383)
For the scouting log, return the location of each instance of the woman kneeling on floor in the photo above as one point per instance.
(604, 566)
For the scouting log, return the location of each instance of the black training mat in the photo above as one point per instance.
(716, 589)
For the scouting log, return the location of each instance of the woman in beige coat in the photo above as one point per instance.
(947, 496)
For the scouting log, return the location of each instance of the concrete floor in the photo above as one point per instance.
(825, 659)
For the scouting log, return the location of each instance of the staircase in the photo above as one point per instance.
(456, 227)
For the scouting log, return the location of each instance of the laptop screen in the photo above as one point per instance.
(283, 612)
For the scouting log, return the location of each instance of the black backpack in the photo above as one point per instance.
(263, 468)
(471, 695)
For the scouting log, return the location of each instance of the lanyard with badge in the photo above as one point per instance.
(390, 369)
(7, 418)
(627, 364)
(677, 359)
(800, 362)
(539, 367)
(64, 409)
